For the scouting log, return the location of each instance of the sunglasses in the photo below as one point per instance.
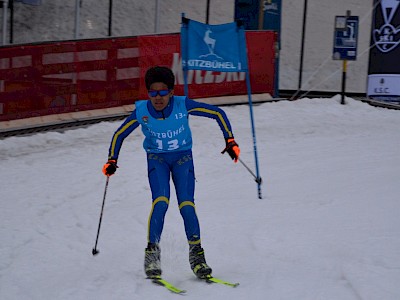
(162, 93)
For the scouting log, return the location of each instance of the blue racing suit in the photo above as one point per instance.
(168, 143)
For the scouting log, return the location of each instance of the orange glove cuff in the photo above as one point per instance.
(110, 167)
(232, 148)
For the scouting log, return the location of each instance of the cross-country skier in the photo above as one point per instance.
(164, 120)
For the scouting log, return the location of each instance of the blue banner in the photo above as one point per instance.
(220, 48)
(272, 15)
(248, 11)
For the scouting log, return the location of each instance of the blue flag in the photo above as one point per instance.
(220, 48)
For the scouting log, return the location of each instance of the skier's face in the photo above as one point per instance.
(159, 95)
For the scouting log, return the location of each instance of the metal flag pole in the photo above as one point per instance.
(77, 12)
(4, 33)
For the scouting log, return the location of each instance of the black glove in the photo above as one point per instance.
(232, 148)
(110, 167)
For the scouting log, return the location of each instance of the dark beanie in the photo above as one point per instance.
(160, 74)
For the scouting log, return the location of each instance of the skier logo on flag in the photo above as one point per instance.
(219, 48)
(210, 42)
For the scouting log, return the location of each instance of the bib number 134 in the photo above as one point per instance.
(172, 144)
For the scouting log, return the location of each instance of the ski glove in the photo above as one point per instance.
(110, 167)
(232, 148)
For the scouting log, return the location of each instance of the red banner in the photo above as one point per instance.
(165, 50)
(52, 78)
(37, 80)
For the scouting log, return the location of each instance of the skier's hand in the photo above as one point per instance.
(110, 167)
(232, 148)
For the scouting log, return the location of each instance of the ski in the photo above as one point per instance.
(169, 286)
(211, 279)
(172, 288)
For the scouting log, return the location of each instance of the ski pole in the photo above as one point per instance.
(94, 250)
(257, 179)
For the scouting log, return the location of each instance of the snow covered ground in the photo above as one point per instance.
(327, 228)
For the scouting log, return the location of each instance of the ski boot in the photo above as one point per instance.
(152, 263)
(198, 262)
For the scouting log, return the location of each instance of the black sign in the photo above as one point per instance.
(384, 67)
